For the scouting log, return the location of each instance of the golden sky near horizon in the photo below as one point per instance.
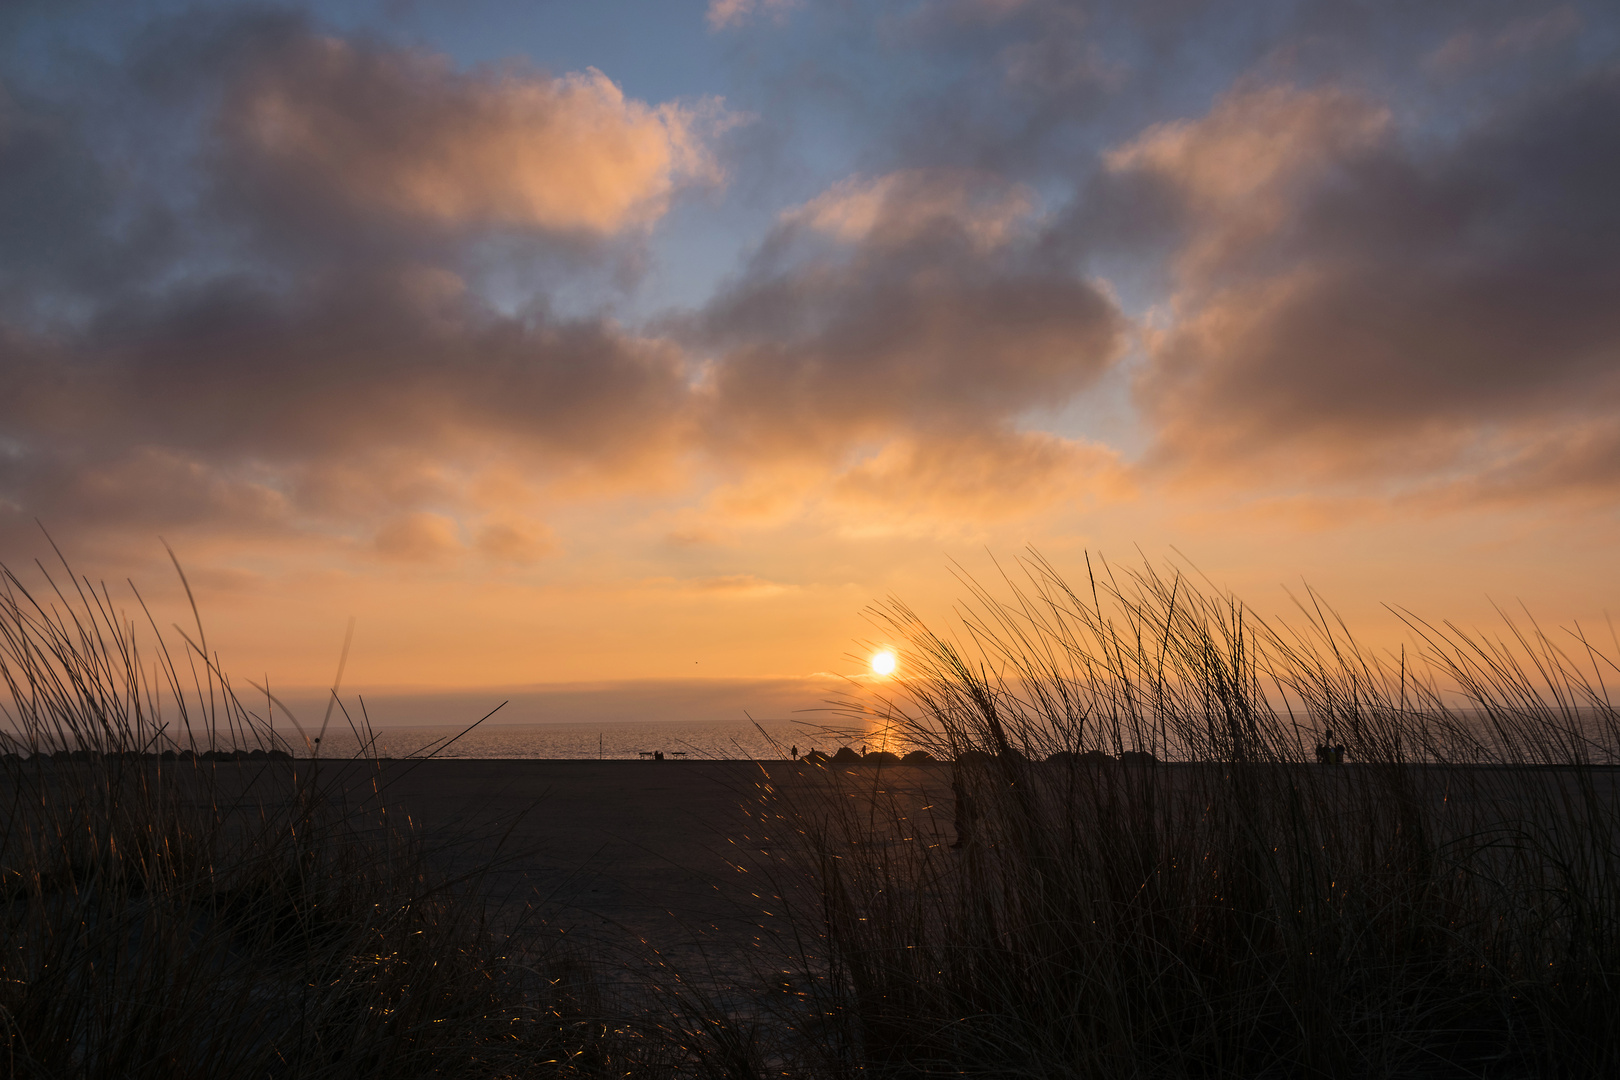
(649, 342)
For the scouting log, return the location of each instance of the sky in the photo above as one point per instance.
(593, 348)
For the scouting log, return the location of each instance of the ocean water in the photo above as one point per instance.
(626, 740)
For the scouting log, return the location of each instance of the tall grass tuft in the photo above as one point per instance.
(1162, 877)
(1158, 873)
(180, 897)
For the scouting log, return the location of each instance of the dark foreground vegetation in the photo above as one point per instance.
(180, 898)
(1158, 876)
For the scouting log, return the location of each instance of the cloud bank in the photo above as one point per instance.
(1369, 300)
(267, 279)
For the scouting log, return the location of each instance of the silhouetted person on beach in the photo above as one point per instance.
(795, 753)
(1327, 753)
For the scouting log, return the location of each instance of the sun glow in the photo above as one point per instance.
(883, 662)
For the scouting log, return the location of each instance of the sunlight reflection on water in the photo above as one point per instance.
(730, 740)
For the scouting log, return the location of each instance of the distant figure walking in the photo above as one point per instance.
(967, 811)
(1327, 753)
(795, 753)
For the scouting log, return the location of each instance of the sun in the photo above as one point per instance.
(883, 662)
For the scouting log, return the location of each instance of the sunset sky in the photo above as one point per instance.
(614, 344)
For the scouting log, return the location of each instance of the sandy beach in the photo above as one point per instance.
(693, 861)
(690, 862)
(699, 884)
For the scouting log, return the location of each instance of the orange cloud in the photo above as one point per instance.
(515, 542)
(986, 477)
(1241, 168)
(916, 485)
(1578, 460)
(900, 206)
(405, 134)
(728, 586)
(418, 537)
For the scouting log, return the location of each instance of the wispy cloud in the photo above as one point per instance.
(729, 13)
(1473, 47)
(900, 207)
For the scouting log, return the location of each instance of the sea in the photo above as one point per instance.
(726, 740)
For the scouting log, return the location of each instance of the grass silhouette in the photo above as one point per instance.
(1445, 904)
(1160, 877)
(182, 897)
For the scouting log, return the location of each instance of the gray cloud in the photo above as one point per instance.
(1387, 288)
(290, 349)
(63, 225)
(363, 383)
(908, 304)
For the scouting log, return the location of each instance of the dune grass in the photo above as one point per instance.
(170, 908)
(1447, 903)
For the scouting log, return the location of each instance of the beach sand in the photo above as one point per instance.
(687, 863)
